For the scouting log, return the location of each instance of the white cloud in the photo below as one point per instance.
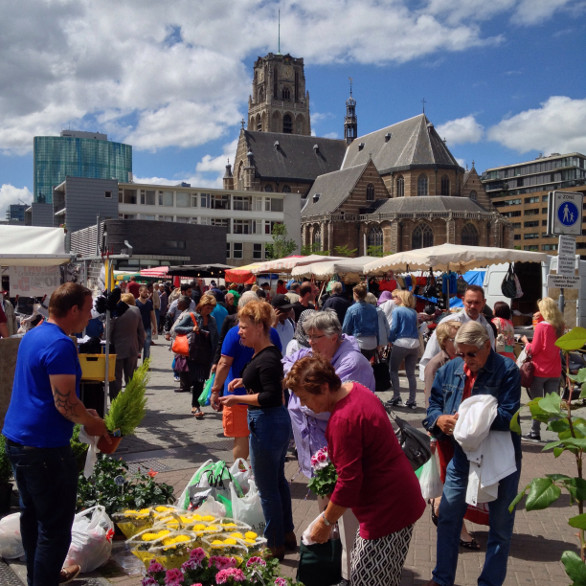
(532, 12)
(461, 130)
(557, 126)
(13, 195)
(178, 73)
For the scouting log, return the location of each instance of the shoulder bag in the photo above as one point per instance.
(415, 443)
(180, 343)
(527, 371)
(380, 368)
(509, 286)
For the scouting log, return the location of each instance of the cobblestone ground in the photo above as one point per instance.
(172, 442)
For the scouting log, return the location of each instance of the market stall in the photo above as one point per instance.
(349, 270)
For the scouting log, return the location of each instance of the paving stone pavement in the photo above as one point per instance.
(173, 443)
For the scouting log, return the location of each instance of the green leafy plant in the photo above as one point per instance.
(375, 250)
(281, 245)
(345, 251)
(541, 493)
(128, 409)
(324, 475)
(314, 248)
(5, 466)
(115, 488)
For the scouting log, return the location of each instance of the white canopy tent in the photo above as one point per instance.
(288, 263)
(454, 257)
(32, 246)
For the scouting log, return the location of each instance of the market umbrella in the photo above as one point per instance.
(286, 264)
(203, 271)
(454, 257)
(155, 272)
(348, 269)
(243, 275)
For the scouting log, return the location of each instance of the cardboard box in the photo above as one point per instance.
(93, 367)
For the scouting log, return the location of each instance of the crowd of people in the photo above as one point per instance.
(294, 369)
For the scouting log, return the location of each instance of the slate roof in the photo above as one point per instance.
(407, 144)
(295, 158)
(430, 204)
(333, 188)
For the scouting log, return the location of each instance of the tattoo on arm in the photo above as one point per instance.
(68, 408)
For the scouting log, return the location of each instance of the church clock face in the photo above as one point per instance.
(288, 72)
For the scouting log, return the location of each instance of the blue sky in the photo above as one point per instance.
(503, 81)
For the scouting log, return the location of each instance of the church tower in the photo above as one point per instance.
(350, 122)
(279, 102)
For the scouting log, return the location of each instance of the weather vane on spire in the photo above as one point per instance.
(350, 85)
(279, 34)
(423, 102)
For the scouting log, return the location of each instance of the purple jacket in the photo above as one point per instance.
(309, 428)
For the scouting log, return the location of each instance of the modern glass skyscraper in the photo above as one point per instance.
(77, 154)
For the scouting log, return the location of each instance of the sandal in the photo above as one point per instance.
(473, 544)
(198, 414)
(69, 573)
(434, 517)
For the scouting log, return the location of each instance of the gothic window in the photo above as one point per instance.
(422, 237)
(261, 94)
(286, 94)
(445, 185)
(375, 236)
(286, 189)
(287, 124)
(422, 185)
(268, 188)
(473, 195)
(370, 192)
(470, 235)
(401, 186)
(317, 239)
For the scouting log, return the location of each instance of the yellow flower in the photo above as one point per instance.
(207, 518)
(130, 513)
(162, 509)
(217, 543)
(229, 524)
(250, 535)
(236, 534)
(250, 541)
(213, 528)
(149, 536)
(230, 541)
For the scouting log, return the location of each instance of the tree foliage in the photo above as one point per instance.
(281, 245)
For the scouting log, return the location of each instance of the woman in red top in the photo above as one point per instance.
(546, 356)
(375, 478)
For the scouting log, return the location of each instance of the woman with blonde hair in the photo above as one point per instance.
(268, 421)
(546, 356)
(404, 337)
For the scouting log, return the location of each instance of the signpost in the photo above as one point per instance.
(564, 218)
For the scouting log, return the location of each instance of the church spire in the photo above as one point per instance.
(350, 121)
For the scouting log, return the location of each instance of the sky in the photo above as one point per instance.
(503, 81)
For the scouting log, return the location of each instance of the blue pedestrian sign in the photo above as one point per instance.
(565, 213)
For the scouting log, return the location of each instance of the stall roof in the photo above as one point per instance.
(32, 246)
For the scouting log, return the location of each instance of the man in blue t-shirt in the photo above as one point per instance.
(38, 427)
(235, 356)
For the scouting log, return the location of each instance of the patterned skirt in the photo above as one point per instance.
(380, 561)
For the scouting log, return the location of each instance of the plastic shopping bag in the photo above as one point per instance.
(430, 480)
(241, 472)
(183, 500)
(204, 398)
(10, 539)
(248, 508)
(91, 539)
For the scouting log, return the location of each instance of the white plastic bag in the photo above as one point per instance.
(183, 500)
(241, 472)
(248, 508)
(10, 539)
(430, 479)
(91, 539)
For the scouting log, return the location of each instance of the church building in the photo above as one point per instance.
(395, 189)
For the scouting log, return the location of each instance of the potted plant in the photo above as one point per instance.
(127, 410)
(5, 476)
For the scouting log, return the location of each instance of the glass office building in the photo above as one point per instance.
(77, 154)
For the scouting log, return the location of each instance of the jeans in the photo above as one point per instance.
(270, 430)
(410, 355)
(146, 350)
(451, 513)
(47, 486)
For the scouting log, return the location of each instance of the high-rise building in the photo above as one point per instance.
(520, 193)
(77, 154)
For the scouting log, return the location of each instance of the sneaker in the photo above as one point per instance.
(532, 437)
(396, 402)
(411, 405)
(176, 379)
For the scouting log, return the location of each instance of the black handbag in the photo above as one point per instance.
(320, 564)
(382, 376)
(508, 286)
(415, 443)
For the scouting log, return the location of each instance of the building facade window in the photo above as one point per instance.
(400, 186)
(273, 204)
(375, 236)
(242, 226)
(237, 250)
(287, 124)
(422, 185)
(147, 197)
(286, 189)
(257, 252)
(473, 195)
(370, 192)
(317, 238)
(469, 235)
(243, 203)
(445, 185)
(204, 200)
(182, 199)
(220, 202)
(422, 237)
(166, 198)
(286, 94)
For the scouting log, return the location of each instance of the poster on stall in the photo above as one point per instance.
(34, 281)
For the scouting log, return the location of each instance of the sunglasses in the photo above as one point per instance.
(468, 354)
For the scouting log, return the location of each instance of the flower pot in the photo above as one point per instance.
(109, 448)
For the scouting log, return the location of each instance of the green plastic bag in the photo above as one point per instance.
(204, 398)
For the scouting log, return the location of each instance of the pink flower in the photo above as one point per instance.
(174, 577)
(234, 573)
(321, 456)
(280, 582)
(222, 563)
(255, 561)
(197, 554)
(149, 581)
(155, 567)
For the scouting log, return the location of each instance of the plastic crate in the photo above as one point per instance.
(93, 367)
